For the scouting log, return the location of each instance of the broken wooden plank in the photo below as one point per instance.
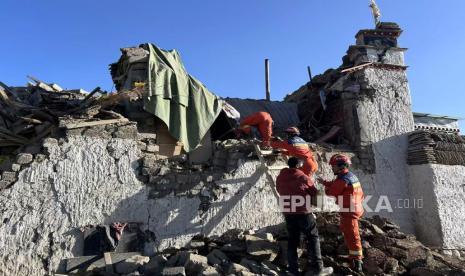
(94, 123)
(356, 68)
(41, 84)
(11, 136)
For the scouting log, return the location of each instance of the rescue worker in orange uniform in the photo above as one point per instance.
(263, 122)
(297, 147)
(348, 192)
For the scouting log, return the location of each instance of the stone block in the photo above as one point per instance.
(127, 132)
(217, 257)
(49, 142)
(261, 249)
(4, 184)
(195, 264)
(40, 158)
(182, 178)
(24, 158)
(131, 264)
(174, 271)
(96, 131)
(374, 259)
(149, 160)
(209, 271)
(15, 167)
(179, 259)
(142, 146)
(235, 269)
(155, 265)
(153, 148)
(9, 176)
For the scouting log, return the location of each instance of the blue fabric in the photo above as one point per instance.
(349, 178)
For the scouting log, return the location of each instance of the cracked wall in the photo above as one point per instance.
(89, 180)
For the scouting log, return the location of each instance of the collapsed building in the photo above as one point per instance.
(158, 164)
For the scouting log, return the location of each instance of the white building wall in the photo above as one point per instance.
(441, 221)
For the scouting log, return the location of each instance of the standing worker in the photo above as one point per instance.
(297, 147)
(263, 122)
(296, 188)
(347, 188)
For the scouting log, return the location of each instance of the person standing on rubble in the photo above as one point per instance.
(263, 122)
(295, 190)
(297, 147)
(348, 192)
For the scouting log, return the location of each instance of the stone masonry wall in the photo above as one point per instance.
(442, 188)
(88, 180)
(382, 113)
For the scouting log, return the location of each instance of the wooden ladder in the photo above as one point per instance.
(266, 169)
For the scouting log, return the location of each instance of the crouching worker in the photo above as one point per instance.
(349, 196)
(295, 189)
(260, 120)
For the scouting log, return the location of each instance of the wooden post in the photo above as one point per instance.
(309, 73)
(267, 79)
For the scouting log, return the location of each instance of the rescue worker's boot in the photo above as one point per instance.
(357, 266)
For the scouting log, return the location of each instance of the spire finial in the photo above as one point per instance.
(376, 12)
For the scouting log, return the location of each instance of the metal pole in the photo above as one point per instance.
(309, 73)
(267, 79)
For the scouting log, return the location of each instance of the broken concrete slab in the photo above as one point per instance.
(261, 249)
(131, 264)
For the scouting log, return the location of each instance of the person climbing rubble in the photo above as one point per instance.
(348, 192)
(260, 120)
(297, 147)
(296, 188)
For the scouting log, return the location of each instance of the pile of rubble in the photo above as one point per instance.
(40, 110)
(387, 252)
(436, 148)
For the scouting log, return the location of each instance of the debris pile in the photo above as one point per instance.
(237, 252)
(436, 148)
(30, 114)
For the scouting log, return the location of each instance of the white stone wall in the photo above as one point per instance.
(89, 181)
(385, 118)
(441, 221)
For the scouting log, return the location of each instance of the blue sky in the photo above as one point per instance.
(224, 43)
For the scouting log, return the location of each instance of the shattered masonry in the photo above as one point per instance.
(101, 159)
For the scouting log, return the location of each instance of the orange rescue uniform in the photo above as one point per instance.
(262, 121)
(297, 147)
(349, 195)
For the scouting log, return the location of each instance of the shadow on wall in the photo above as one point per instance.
(173, 220)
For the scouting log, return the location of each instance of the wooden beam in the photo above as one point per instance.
(95, 123)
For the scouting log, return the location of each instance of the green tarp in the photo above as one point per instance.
(182, 102)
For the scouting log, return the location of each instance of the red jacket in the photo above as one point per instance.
(346, 188)
(293, 182)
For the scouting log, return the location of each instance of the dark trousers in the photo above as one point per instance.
(306, 224)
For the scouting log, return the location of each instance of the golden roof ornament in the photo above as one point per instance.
(376, 12)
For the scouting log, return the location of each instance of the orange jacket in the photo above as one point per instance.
(260, 120)
(346, 188)
(296, 146)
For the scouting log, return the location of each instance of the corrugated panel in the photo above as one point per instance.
(284, 114)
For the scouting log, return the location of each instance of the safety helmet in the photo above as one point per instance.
(340, 160)
(292, 130)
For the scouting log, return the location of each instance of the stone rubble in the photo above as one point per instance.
(387, 252)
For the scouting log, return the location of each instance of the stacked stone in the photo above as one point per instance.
(10, 167)
(179, 177)
(436, 148)
(387, 252)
